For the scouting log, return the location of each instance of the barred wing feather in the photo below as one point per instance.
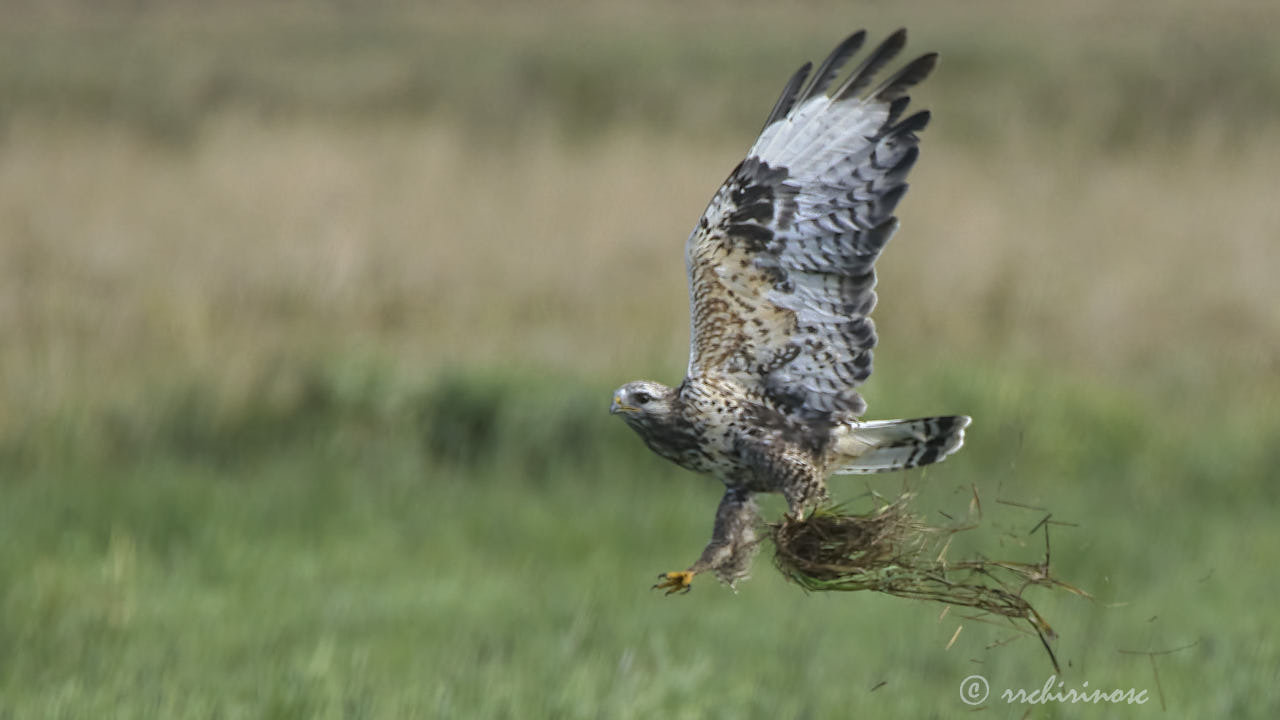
(782, 263)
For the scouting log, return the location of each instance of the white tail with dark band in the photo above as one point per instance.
(885, 445)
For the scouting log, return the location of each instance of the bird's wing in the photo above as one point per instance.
(781, 264)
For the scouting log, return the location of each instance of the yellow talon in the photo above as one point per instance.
(680, 581)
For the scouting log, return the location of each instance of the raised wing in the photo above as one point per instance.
(781, 264)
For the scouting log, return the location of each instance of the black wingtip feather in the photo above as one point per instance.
(788, 97)
(830, 67)
(900, 169)
(873, 241)
(896, 108)
(913, 72)
(912, 124)
(878, 58)
(888, 202)
(893, 90)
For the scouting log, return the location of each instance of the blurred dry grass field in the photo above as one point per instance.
(260, 246)
(217, 199)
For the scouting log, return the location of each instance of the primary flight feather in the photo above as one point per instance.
(781, 270)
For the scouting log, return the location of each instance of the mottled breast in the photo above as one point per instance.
(739, 433)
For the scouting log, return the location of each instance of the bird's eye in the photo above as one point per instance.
(643, 398)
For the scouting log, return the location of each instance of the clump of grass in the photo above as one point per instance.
(891, 550)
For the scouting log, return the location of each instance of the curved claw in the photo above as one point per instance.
(679, 581)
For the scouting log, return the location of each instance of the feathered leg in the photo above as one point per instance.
(793, 474)
(733, 544)
(803, 491)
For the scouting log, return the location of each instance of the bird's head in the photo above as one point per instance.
(643, 403)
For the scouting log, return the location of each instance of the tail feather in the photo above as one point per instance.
(885, 445)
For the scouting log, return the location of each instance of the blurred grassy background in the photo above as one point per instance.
(310, 313)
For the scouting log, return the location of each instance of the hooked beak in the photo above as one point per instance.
(618, 406)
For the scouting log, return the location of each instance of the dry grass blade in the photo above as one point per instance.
(891, 550)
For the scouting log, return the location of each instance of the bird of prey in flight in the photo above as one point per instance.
(781, 269)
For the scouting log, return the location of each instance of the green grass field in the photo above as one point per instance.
(309, 319)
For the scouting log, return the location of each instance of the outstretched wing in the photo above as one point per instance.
(781, 264)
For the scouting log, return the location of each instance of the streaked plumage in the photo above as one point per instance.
(781, 285)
